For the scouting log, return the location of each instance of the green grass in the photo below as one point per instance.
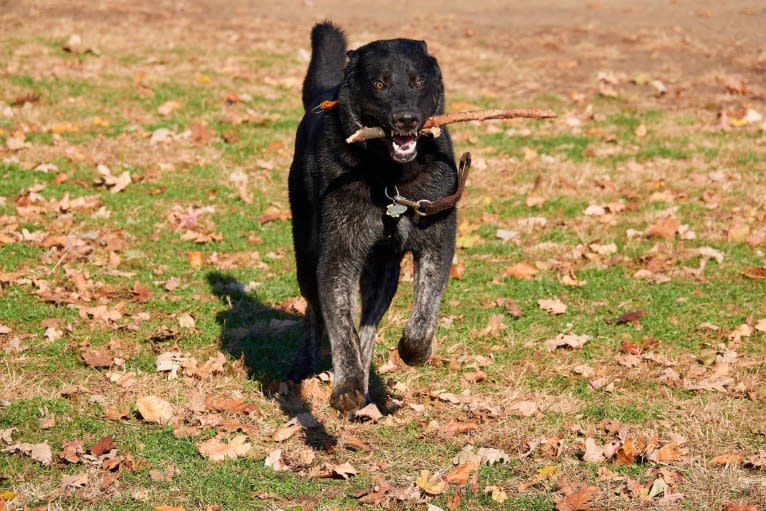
(235, 294)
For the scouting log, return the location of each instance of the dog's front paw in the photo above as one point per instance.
(413, 353)
(347, 396)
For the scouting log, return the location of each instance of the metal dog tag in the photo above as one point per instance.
(395, 210)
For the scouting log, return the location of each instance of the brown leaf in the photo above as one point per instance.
(96, 359)
(196, 259)
(566, 340)
(113, 413)
(201, 133)
(432, 484)
(496, 493)
(522, 271)
(74, 480)
(594, 453)
(71, 451)
(354, 444)
(285, 431)
(577, 501)
(29, 97)
(667, 453)
(274, 460)
(461, 473)
(233, 405)
(370, 412)
(554, 306)
(754, 273)
(475, 376)
(630, 317)
(739, 507)
(186, 320)
(47, 422)
(273, 214)
(457, 270)
(525, 408)
(455, 427)
(344, 470)
(725, 459)
(155, 409)
(215, 450)
(510, 305)
(38, 452)
(665, 228)
(141, 292)
(453, 501)
(102, 446)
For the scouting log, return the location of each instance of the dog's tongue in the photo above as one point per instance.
(404, 140)
(404, 148)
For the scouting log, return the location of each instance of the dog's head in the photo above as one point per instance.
(395, 85)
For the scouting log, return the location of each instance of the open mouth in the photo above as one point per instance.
(404, 146)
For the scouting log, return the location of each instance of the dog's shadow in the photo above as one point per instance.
(266, 339)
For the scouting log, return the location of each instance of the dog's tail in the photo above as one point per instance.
(328, 57)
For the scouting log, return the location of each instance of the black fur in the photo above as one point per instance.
(344, 242)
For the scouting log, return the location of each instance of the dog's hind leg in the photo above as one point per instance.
(431, 275)
(378, 284)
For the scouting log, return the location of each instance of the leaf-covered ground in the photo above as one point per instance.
(602, 343)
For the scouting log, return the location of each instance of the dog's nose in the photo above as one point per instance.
(404, 121)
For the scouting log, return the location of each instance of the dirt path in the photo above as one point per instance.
(499, 49)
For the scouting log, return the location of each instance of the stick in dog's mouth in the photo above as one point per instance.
(431, 126)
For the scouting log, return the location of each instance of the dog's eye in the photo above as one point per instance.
(419, 83)
(378, 84)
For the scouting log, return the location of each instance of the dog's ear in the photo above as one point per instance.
(351, 54)
(423, 45)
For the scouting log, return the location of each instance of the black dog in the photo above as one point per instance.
(352, 221)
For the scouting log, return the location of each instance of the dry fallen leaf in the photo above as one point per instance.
(566, 340)
(274, 460)
(102, 446)
(525, 408)
(554, 306)
(432, 484)
(370, 412)
(186, 320)
(285, 431)
(594, 453)
(667, 453)
(725, 459)
(215, 450)
(578, 500)
(522, 271)
(38, 452)
(155, 409)
(344, 470)
(496, 493)
(96, 359)
(461, 473)
(739, 507)
(665, 228)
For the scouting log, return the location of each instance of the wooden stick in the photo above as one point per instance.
(431, 123)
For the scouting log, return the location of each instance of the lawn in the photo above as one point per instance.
(602, 342)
